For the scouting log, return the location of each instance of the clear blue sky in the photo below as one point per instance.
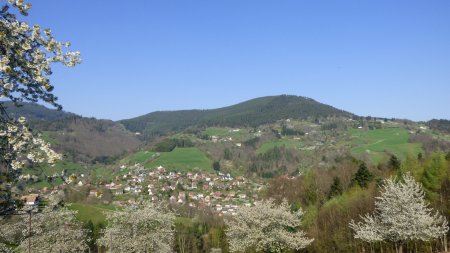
(380, 58)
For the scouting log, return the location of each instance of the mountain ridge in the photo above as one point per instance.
(251, 113)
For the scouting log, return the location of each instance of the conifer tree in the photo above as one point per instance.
(363, 176)
(336, 188)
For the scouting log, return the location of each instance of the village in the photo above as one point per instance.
(218, 191)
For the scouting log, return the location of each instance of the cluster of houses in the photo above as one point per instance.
(219, 191)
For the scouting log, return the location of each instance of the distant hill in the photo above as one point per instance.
(251, 113)
(34, 112)
(78, 138)
(442, 125)
(89, 139)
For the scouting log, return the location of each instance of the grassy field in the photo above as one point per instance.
(42, 171)
(182, 159)
(241, 135)
(288, 143)
(95, 213)
(377, 143)
(139, 157)
(56, 168)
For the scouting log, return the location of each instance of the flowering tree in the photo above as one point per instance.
(401, 215)
(266, 227)
(51, 231)
(146, 228)
(26, 55)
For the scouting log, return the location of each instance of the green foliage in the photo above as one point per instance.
(168, 145)
(311, 188)
(331, 231)
(216, 165)
(336, 188)
(273, 154)
(104, 159)
(363, 176)
(394, 163)
(289, 131)
(435, 171)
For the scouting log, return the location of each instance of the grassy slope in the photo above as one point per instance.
(43, 171)
(182, 159)
(377, 142)
(95, 213)
(241, 135)
(139, 157)
(288, 143)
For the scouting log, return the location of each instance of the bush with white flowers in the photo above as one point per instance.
(26, 55)
(401, 215)
(266, 227)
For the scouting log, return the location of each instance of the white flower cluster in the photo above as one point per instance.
(141, 229)
(401, 215)
(21, 5)
(266, 227)
(52, 231)
(27, 53)
(20, 145)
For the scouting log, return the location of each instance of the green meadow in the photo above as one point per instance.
(43, 171)
(140, 157)
(288, 143)
(182, 159)
(95, 213)
(240, 135)
(380, 142)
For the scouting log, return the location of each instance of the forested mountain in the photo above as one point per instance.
(35, 112)
(78, 138)
(251, 113)
(88, 139)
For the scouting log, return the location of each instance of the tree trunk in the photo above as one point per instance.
(445, 243)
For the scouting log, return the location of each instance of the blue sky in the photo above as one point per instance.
(379, 58)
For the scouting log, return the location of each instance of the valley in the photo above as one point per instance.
(219, 169)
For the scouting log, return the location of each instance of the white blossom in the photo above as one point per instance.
(401, 215)
(266, 227)
(21, 145)
(26, 55)
(52, 231)
(146, 228)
